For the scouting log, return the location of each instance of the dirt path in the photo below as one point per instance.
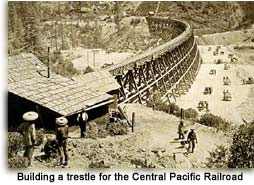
(162, 129)
(154, 144)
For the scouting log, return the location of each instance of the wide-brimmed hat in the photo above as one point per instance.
(61, 121)
(30, 116)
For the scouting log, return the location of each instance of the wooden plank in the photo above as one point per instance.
(132, 79)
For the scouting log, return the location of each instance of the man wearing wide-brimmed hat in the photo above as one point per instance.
(62, 136)
(27, 129)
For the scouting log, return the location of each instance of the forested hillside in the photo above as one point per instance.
(33, 26)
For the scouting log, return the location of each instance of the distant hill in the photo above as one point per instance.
(205, 17)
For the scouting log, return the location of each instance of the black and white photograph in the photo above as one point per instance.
(129, 85)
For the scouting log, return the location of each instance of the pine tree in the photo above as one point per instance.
(16, 30)
(23, 27)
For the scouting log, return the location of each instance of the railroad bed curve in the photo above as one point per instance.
(170, 68)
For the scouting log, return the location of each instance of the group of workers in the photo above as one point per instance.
(27, 129)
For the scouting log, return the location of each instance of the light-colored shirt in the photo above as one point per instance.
(84, 117)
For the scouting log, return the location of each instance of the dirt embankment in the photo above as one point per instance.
(129, 33)
(154, 144)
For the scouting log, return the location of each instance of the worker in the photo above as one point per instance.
(82, 121)
(206, 106)
(61, 137)
(27, 129)
(192, 140)
(180, 130)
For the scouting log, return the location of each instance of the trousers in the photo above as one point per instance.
(29, 150)
(62, 149)
(181, 135)
(192, 145)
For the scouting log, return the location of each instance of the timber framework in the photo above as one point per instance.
(170, 68)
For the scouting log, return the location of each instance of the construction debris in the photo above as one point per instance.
(226, 80)
(208, 90)
(212, 72)
(226, 66)
(250, 80)
(203, 105)
(227, 95)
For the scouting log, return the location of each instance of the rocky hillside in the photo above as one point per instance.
(100, 24)
(205, 17)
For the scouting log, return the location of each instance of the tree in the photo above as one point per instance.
(242, 148)
(240, 154)
(31, 23)
(16, 30)
(212, 120)
(218, 158)
(24, 31)
(116, 13)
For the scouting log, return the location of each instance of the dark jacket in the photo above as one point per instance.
(62, 133)
(192, 136)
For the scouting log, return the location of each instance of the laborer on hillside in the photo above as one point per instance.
(61, 137)
(192, 140)
(180, 130)
(206, 106)
(82, 121)
(27, 129)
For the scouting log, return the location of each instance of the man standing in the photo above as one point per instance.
(61, 137)
(192, 140)
(82, 121)
(180, 130)
(27, 129)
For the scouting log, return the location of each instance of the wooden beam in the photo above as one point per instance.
(119, 80)
(132, 79)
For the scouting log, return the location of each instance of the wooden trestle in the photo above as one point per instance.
(170, 68)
